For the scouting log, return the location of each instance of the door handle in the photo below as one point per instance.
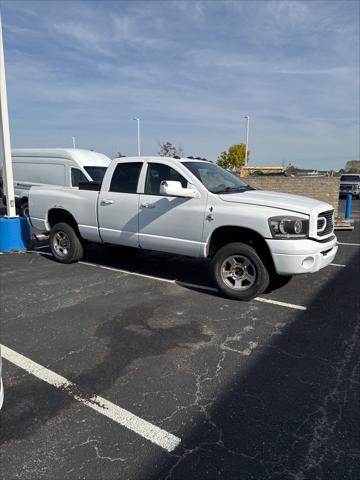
(147, 205)
(106, 202)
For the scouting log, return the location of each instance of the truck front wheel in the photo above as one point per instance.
(65, 244)
(239, 272)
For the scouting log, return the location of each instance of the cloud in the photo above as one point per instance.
(190, 70)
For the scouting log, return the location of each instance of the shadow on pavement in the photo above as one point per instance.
(164, 265)
(294, 414)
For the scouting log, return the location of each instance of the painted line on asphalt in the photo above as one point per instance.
(113, 269)
(337, 265)
(132, 422)
(351, 244)
(281, 304)
(177, 282)
(196, 285)
(40, 253)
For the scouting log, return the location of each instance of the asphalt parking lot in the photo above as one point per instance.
(129, 365)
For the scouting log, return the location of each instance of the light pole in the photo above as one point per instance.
(74, 143)
(138, 135)
(247, 138)
(5, 136)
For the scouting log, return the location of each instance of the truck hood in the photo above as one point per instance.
(283, 201)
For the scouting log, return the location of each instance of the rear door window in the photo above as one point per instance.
(126, 177)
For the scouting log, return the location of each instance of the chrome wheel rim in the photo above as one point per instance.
(61, 244)
(238, 272)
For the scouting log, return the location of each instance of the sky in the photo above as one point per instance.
(191, 71)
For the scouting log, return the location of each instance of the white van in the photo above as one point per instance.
(54, 166)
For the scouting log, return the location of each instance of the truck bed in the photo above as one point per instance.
(81, 203)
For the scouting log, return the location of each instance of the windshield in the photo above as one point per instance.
(215, 178)
(350, 178)
(96, 173)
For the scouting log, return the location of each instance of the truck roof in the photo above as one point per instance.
(156, 158)
(81, 156)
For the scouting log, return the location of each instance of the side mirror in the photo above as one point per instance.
(175, 189)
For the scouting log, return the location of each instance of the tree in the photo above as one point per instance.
(167, 149)
(234, 158)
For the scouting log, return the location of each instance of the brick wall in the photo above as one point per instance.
(325, 189)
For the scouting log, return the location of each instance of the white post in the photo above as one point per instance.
(5, 136)
(138, 135)
(74, 144)
(247, 138)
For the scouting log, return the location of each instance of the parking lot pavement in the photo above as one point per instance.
(252, 390)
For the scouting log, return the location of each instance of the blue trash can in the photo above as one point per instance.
(14, 234)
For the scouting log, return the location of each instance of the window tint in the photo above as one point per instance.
(96, 173)
(125, 178)
(350, 178)
(158, 172)
(77, 176)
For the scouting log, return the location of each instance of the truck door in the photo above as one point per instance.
(169, 224)
(118, 205)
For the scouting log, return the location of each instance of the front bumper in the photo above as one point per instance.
(292, 257)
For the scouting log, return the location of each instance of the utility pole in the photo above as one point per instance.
(247, 138)
(5, 136)
(138, 135)
(74, 143)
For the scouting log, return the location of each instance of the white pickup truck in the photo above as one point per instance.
(194, 208)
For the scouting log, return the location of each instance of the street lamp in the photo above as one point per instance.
(247, 138)
(5, 136)
(138, 135)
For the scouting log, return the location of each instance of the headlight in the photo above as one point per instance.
(289, 227)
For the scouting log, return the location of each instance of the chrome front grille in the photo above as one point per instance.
(325, 223)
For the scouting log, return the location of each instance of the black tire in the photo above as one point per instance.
(65, 243)
(250, 265)
(24, 209)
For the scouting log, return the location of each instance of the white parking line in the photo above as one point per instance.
(145, 429)
(337, 265)
(352, 244)
(195, 285)
(178, 282)
(282, 304)
(126, 272)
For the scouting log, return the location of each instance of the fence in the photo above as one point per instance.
(325, 189)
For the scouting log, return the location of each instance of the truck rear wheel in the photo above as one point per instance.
(65, 243)
(24, 209)
(239, 272)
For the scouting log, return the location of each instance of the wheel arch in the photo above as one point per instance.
(224, 235)
(57, 215)
(24, 199)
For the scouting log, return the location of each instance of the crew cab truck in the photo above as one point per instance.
(193, 208)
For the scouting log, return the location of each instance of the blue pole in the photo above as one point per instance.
(348, 206)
